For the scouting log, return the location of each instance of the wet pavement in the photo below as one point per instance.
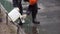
(49, 17)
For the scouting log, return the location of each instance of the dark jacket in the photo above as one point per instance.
(26, 0)
(16, 3)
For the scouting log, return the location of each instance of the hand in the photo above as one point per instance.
(16, 8)
(24, 16)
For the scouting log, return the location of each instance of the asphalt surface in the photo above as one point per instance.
(49, 17)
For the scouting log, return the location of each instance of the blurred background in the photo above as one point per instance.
(48, 15)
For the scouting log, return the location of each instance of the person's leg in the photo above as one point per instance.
(21, 11)
(35, 23)
(34, 17)
(15, 3)
(20, 6)
(34, 13)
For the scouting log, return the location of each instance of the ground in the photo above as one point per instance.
(4, 28)
(49, 17)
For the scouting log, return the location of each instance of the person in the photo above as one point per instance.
(17, 3)
(33, 9)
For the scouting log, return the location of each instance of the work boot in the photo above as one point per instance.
(36, 22)
(20, 22)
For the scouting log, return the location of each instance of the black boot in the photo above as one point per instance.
(20, 22)
(36, 22)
